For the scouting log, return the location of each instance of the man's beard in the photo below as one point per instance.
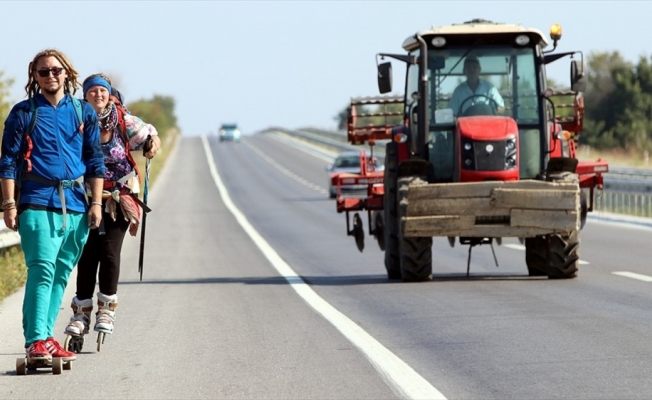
(51, 92)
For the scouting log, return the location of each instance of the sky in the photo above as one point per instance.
(290, 64)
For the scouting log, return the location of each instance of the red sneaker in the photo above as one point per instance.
(58, 351)
(38, 351)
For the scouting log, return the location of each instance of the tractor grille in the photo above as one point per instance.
(492, 155)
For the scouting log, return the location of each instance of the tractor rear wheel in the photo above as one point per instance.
(554, 255)
(390, 213)
(415, 252)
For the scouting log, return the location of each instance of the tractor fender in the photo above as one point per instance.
(418, 168)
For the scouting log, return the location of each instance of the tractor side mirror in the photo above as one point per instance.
(578, 76)
(385, 77)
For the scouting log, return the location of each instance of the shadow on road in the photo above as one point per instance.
(350, 280)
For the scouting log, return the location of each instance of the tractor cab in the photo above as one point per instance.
(485, 150)
(478, 107)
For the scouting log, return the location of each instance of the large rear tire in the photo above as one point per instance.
(415, 252)
(554, 255)
(390, 213)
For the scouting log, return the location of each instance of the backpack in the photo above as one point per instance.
(116, 93)
(122, 128)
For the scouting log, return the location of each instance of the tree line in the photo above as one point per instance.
(618, 104)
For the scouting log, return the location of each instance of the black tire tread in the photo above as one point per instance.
(554, 255)
(415, 252)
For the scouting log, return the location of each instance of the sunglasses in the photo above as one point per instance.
(44, 73)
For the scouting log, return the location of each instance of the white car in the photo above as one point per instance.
(349, 162)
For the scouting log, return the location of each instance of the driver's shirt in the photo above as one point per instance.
(463, 92)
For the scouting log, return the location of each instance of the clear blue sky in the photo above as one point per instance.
(281, 63)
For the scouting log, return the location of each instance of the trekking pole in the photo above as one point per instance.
(146, 148)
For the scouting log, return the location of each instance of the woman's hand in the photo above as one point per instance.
(154, 147)
(95, 215)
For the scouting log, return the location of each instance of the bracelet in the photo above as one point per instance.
(8, 207)
(96, 203)
(8, 201)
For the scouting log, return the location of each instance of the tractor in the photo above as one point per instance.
(485, 150)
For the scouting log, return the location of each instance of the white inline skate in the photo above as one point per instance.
(78, 325)
(105, 316)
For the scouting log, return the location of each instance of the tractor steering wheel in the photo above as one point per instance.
(479, 109)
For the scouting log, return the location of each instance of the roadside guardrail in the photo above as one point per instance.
(8, 237)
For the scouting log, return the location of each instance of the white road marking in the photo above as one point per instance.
(633, 275)
(398, 375)
(319, 152)
(522, 248)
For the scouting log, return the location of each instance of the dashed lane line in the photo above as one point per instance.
(398, 374)
(633, 275)
(285, 171)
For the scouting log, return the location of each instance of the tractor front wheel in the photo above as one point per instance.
(390, 213)
(554, 255)
(415, 252)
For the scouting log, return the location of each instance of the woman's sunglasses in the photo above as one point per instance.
(44, 73)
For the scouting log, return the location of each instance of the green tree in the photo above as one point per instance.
(619, 113)
(5, 103)
(158, 111)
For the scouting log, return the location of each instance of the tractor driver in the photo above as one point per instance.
(475, 92)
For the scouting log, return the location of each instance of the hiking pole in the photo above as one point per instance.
(146, 148)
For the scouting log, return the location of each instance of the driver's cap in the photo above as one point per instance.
(471, 59)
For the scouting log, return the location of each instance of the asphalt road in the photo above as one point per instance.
(221, 314)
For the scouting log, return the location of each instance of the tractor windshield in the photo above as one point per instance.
(498, 80)
(483, 80)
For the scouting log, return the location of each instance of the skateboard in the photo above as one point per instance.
(57, 364)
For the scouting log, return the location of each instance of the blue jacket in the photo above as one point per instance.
(60, 151)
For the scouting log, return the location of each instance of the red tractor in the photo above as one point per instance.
(485, 151)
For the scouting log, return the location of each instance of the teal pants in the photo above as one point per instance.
(50, 256)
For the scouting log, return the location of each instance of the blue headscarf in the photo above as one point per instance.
(96, 81)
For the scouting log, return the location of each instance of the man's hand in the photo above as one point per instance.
(11, 220)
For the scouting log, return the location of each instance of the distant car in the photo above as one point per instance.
(349, 162)
(229, 132)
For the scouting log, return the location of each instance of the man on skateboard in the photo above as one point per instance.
(50, 148)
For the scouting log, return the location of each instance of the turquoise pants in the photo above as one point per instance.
(50, 256)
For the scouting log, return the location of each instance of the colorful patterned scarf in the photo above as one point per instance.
(108, 117)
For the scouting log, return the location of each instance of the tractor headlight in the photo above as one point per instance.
(522, 40)
(400, 138)
(438, 41)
